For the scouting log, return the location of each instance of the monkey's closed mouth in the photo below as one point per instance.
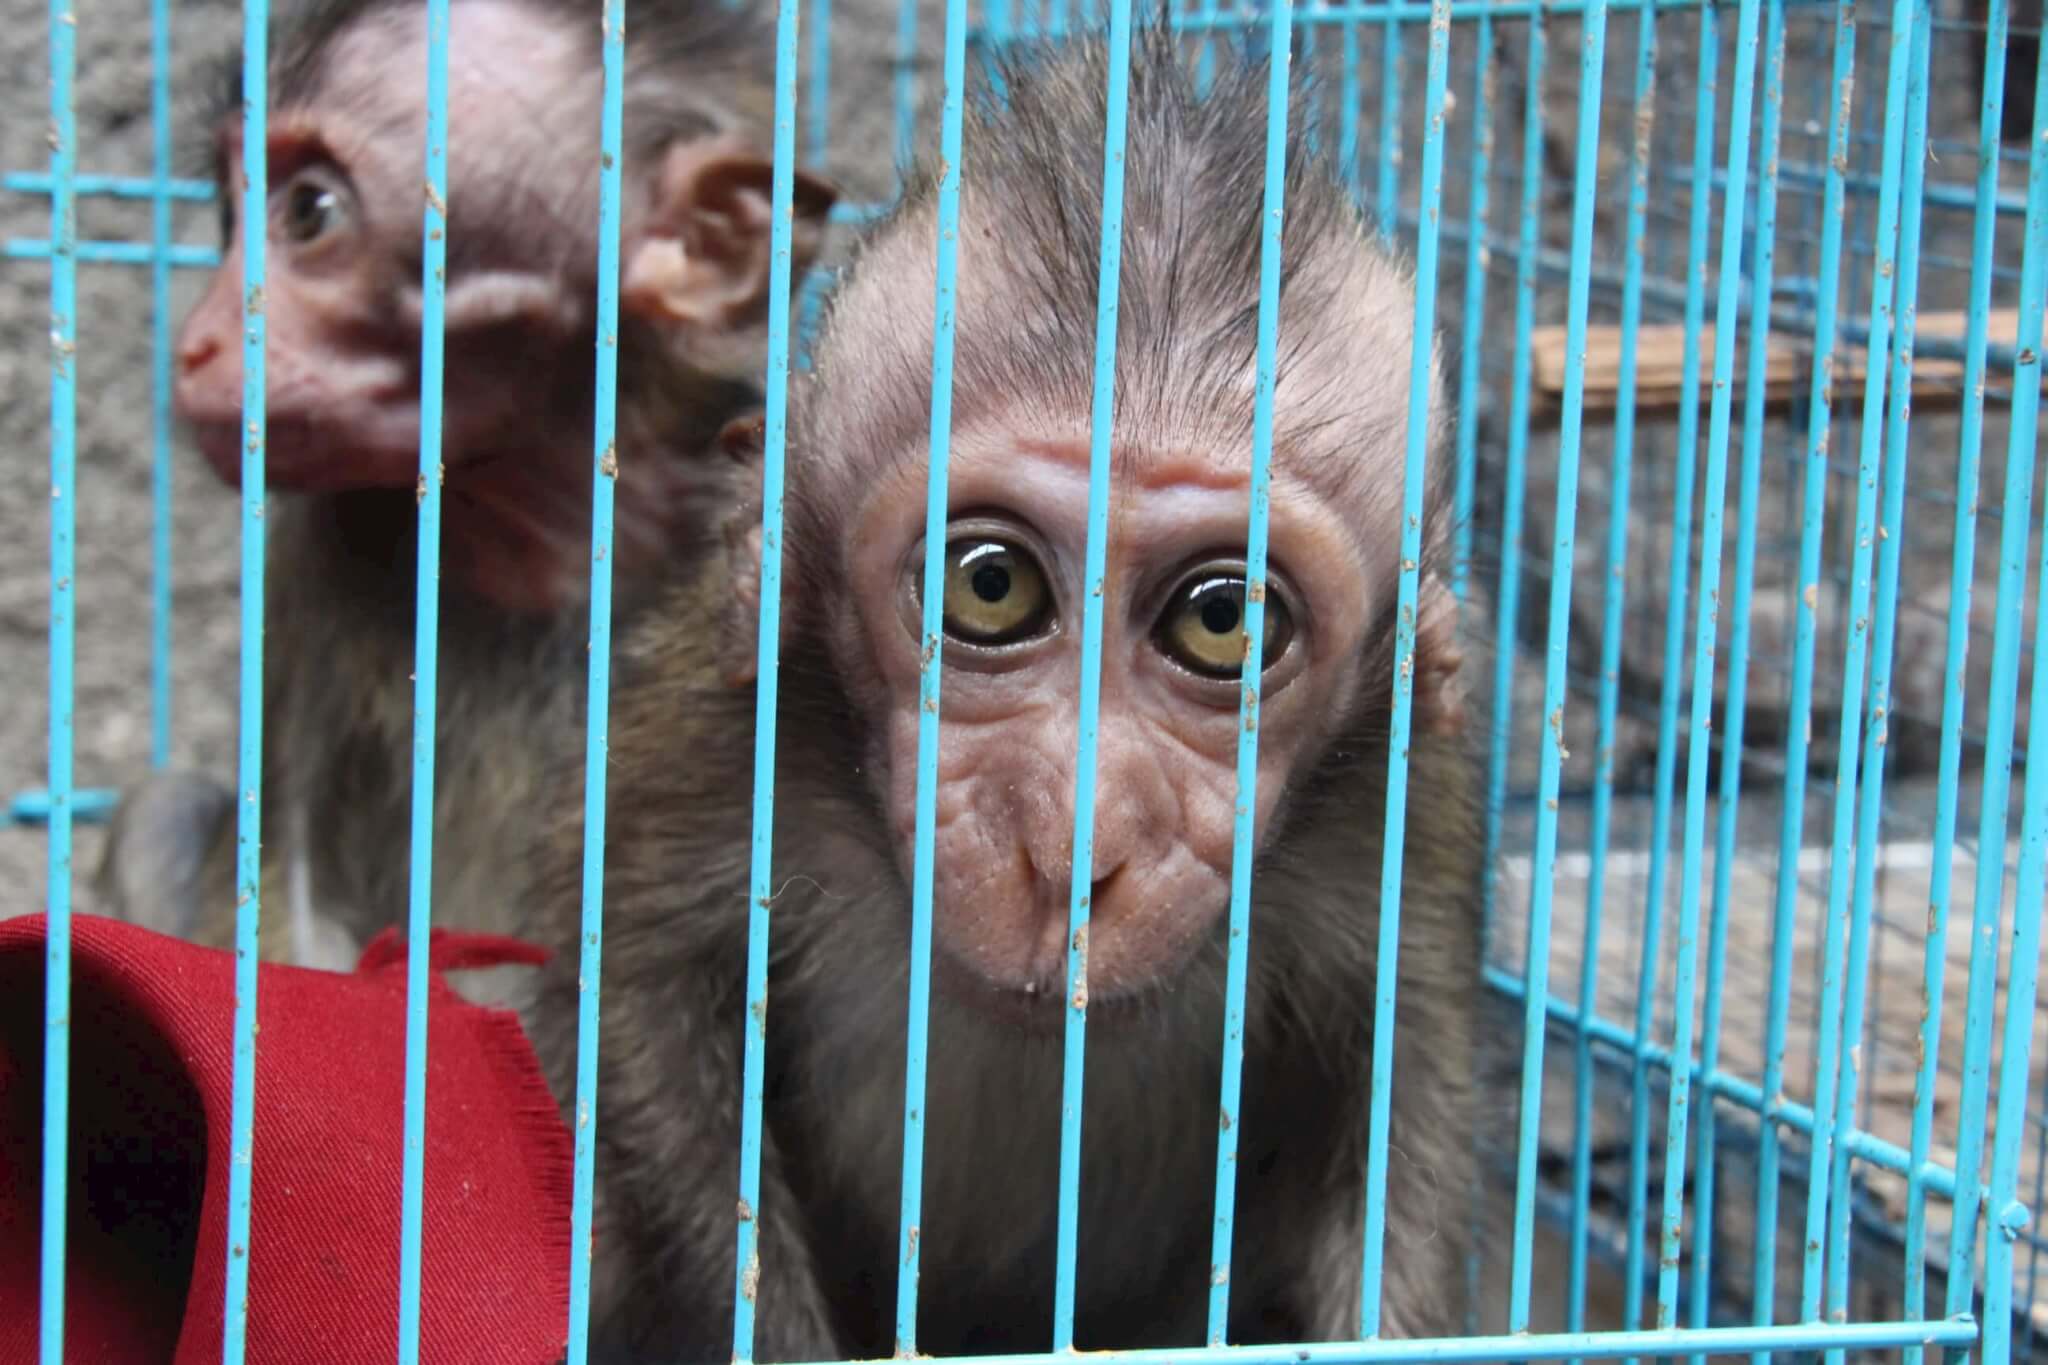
(1039, 1008)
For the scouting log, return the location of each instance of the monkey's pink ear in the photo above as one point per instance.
(1439, 661)
(702, 259)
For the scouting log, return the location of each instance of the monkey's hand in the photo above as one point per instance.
(160, 854)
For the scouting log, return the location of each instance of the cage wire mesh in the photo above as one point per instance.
(1756, 924)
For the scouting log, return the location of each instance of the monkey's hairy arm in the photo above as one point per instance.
(671, 1040)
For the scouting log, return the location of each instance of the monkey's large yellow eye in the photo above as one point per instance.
(1202, 628)
(309, 207)
(995, 592)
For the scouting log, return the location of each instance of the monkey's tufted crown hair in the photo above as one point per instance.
(726, 48)
(1188, 298)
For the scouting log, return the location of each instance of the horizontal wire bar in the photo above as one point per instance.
(111, 186)
(113, 253)
(1936, 1179)
(1961, 1332)
(201, 192)
(89, 805)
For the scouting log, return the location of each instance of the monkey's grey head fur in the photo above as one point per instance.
(1029, 269)
(693, 67)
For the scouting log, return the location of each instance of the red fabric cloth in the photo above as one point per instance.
(151, 1067)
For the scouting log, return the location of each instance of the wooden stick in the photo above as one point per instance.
(1788, 365)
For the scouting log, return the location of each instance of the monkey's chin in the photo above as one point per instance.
(1033, 1007)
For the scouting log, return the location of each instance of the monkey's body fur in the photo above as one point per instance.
(339, 735)
(670, 1050)
(679, 816)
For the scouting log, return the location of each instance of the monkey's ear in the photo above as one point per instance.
(702, 259)
(739, 635)
(744, 439)
(1439, 660)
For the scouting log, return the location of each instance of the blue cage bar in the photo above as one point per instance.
(1754, 1154)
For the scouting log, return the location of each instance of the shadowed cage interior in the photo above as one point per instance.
(1688, 261)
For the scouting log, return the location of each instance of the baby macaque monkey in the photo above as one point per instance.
(343, 311)
(682, 740)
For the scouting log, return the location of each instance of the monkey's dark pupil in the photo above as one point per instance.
(991, 582)
(312, 205)
(1219, 615)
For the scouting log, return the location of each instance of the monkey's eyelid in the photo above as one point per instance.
(295, 148)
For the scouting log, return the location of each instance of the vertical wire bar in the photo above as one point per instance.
(1842, 989)
(761, 892)
(1799, 726)
(1205, 59)
(1516, 475)
(1254, 621)
(160, 383)
(1465, 474)
(904, 85)
(1735, 708)
(2012, 1216)
(1414, 483)
(63, 650)
(1877, 705)
(818, 146)
(426, 632)
(1614, 593)
(2017, 515)
(1699, 740)
(1476, 260)
(1347, 112)
(603, 483)
(1312, 107)
(820, 129)
(249, 758)
(1841, 983)
(995, 37)
(1101, 429)
(1678, 575)
(933, 632)
(1962, 582)
(1390, 127)
(1551, 754)
(2009, 1216)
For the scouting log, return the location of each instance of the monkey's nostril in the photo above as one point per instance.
(197, 353)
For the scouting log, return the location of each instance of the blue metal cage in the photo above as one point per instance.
(1754, 288)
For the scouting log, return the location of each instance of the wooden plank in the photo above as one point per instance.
(1788, 365)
